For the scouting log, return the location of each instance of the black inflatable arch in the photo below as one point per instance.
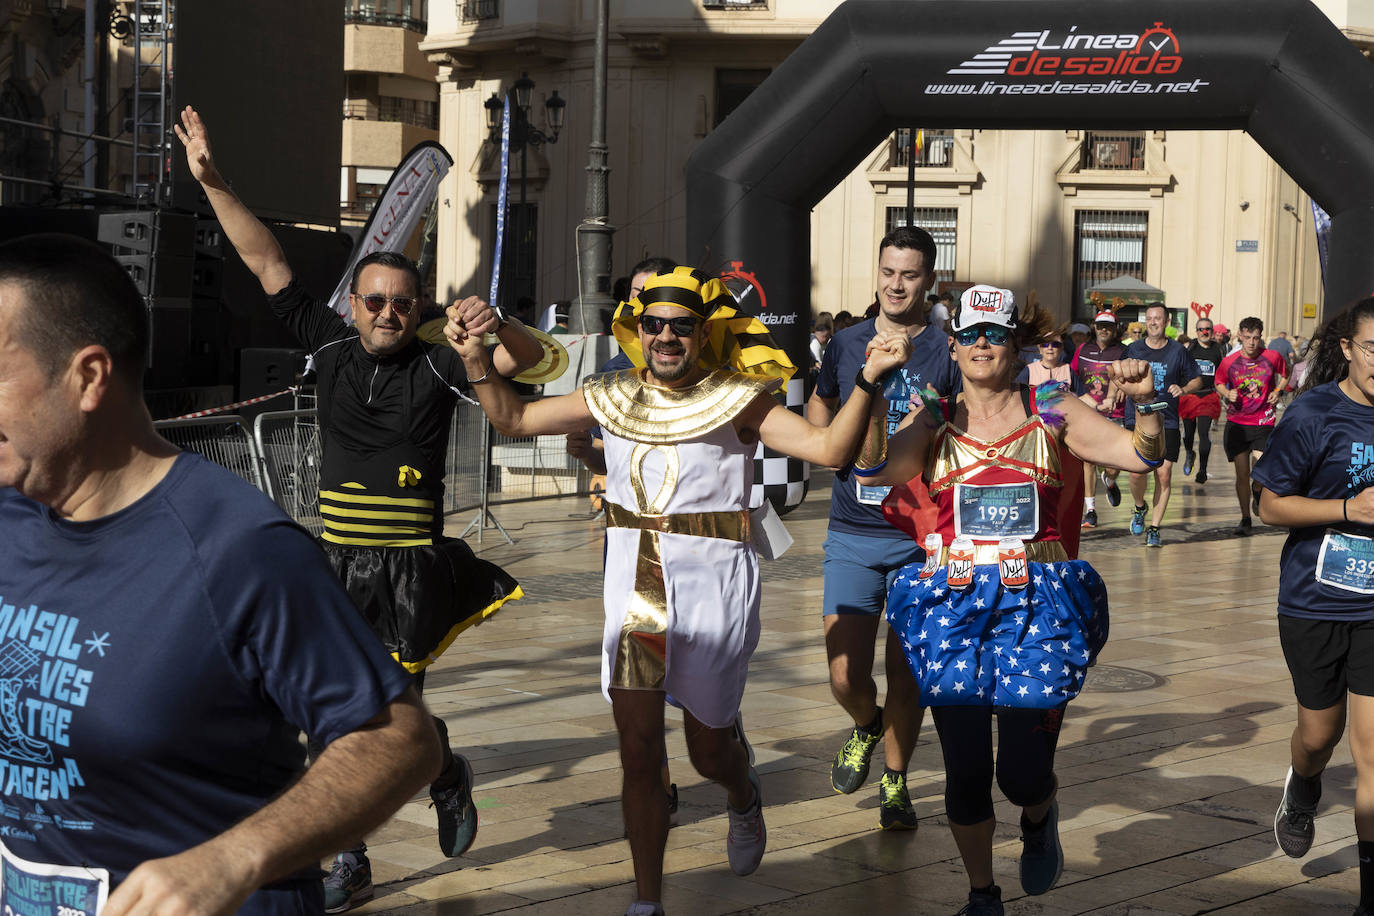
(1277, 69)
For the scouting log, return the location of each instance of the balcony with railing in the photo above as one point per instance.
(370, 12)
(735, 4)
(935, 152)
(478, 10)
(1113, 152)
(411, 112)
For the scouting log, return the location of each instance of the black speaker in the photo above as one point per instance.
(159, 276)
(266, 370)
(149, 232)
(169, 343)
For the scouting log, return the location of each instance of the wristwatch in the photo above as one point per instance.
(872, 388)
(1151, 407)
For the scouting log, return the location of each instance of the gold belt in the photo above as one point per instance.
(1036, 552)
(728, 526)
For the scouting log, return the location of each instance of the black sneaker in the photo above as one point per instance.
(1042, 856)
(1113, 491)
(984, 903)
(1090, 518)
(1244, 529)
(850, 770)
(1201, 476)
(456, 812)
(348, 883)
(894, 804)
(1293, 827)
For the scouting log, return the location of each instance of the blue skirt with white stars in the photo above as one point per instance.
(987, 645)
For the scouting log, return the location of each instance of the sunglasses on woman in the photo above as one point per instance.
(683, 325)
(995, 333)
(1051, 344)
(375, 302)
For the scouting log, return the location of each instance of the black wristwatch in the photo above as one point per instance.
(872, 388)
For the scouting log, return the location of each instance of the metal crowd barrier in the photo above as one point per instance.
(281, 457)
(225, 440)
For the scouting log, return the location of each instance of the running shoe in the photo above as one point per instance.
(984, 903)
(348, 883)
(747, 837)
(1138, 520)
(1042, 857)
(1201, 475)
(1188, 463)
(1152, 538)
(456, 812)
(894, 804)
(1113, 491)
(1293, 827)
(645, 908)
(1090, 518)
(1244, 529)
(850, 770)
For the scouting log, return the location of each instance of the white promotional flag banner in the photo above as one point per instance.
(412, 188)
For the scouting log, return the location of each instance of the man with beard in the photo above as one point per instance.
(862, 551)
(386, 402)
(682, 582)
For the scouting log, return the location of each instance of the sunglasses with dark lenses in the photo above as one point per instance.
(1052, 344)
(1204, 330)
(683, 325)
(401, 305)
(995, 333)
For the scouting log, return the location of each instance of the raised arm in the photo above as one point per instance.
(508, 413)
(251, 239)
(390, 757)
(833, 445)
(1097, 440)
(518, 350)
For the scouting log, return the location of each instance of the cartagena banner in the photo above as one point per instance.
(404, 203)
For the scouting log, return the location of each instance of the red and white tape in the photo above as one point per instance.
(214, 410)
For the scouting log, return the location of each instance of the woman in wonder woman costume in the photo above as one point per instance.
(1002, 619)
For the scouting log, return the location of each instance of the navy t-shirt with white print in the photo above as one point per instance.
(158, 665)
(930, 364)
(1323, 448)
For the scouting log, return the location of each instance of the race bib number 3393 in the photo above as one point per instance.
(996, 510)
(1346, 562)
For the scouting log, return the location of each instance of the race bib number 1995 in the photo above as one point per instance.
(996, 510)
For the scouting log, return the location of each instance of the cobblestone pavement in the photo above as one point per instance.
(1170, 762)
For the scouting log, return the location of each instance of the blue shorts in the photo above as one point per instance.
(859, 570)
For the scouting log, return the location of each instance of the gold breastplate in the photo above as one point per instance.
(623, 404)
(1027, 449)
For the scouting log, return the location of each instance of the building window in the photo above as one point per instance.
(733, 87)
(1113, 151)
(934, 149)
(942, 224)
(477, 10)
(408, 14)
(1107, 244)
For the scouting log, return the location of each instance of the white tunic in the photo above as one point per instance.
(710, 584)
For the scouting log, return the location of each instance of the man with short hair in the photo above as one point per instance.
(1198, 410)
(1175, 374)
(386, 403)
(863, 553)
(160, 757)
(682, 584)
(1250, 381)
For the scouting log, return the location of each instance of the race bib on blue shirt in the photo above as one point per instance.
(1346, 561)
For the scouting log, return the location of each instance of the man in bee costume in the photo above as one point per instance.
(682, 580)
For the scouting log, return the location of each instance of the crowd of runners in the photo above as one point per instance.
(965, 475)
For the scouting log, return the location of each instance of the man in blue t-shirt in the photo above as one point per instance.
(1175, 374)
(165, 635)
(862, 551)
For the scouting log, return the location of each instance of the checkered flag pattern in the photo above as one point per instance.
(783, 481)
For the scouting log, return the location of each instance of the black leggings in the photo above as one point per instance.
(1026, 739)
(1203, 425)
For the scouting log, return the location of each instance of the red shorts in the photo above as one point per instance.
(1192, 406)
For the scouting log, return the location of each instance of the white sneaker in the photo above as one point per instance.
(745, 842)
(644, 908)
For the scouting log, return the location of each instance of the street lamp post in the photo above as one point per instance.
(523, 135)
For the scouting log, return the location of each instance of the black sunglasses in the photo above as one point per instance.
(1052, 344)
(375, 302)
(995, 333)
(682, 325)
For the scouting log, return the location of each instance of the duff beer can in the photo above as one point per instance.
(960, 573)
